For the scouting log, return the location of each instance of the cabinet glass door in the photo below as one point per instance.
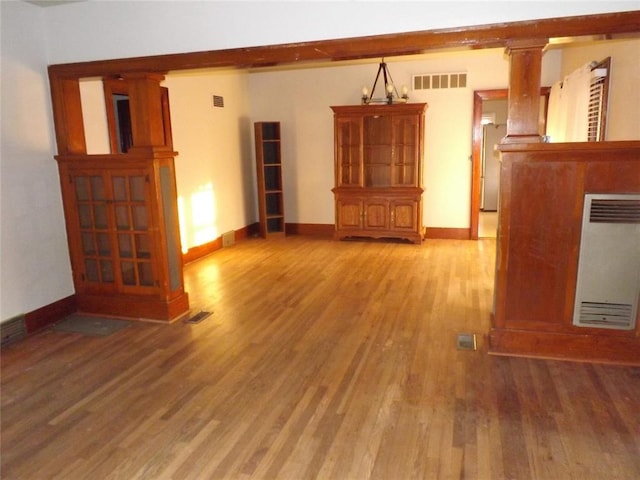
(348, 151)
(114, 230)
(97, 249)
(132, 224)
(406, 150)
(378, 150)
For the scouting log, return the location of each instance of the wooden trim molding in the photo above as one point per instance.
(195, 253)
(397, 44)
(447, 233)
(565, 346)
(50, 314)
(479, 96)
(200, 251)
(314, 229)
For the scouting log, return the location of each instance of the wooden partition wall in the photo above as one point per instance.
(541, 204)
(121, 209)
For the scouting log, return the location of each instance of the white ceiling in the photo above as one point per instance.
(51, 3)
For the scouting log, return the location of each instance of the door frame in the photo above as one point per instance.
(479, 96)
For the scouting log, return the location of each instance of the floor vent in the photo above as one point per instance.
(228, 239)
(608, 280)
(198, 317)
(466, 341)
(13, 330)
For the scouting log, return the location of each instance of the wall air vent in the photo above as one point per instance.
(228, 238)
(435, 81)
(13, 330)
(218, 101)
(608, 283)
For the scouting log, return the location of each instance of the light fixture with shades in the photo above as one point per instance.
(391, 95)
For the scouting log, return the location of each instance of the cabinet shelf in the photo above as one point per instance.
(269, 174)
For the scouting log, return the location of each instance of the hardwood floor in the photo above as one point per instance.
(321, 359)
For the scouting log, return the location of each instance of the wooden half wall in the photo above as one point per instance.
(541, 204)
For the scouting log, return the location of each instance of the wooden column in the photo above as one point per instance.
(67, 115)
(147, 125)
(525, 67)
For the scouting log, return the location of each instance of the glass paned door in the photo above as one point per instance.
(406, 145)
(349, 151)
(130, 205)
(114, 230)
(377, 145)
(94, 229)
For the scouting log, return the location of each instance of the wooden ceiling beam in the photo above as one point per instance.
(398, 44)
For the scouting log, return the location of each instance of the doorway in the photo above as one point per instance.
(491, 99)
(489, 127)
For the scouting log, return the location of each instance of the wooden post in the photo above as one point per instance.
(67, 115)
(147, 124)
(525, 67)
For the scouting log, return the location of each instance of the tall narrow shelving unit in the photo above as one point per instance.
(269, 170)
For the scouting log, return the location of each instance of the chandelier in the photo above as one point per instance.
(391, 95)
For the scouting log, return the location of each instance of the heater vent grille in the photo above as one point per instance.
(608, 280)
(606, 314)
(614, 211)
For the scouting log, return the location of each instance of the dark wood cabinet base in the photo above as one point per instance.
(142, 307)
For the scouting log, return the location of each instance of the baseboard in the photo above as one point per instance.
(315, 229)
(610, 349)
(197, 252)
(448, 233)
(50, 314)
(205, 249)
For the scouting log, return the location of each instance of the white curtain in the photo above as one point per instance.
(567, 117)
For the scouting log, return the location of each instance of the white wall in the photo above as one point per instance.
(300, 100)
(35, 266)
(215, 169)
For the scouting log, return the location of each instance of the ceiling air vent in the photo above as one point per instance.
(218, 101)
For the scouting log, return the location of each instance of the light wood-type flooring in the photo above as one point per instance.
(321, 359)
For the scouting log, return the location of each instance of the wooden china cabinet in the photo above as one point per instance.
(378, 171)
(121, 210)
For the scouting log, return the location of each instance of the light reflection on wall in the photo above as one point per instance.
(198, 218)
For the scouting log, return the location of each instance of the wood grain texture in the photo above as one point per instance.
(374, 46)
(322, 359)
(538, 248)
